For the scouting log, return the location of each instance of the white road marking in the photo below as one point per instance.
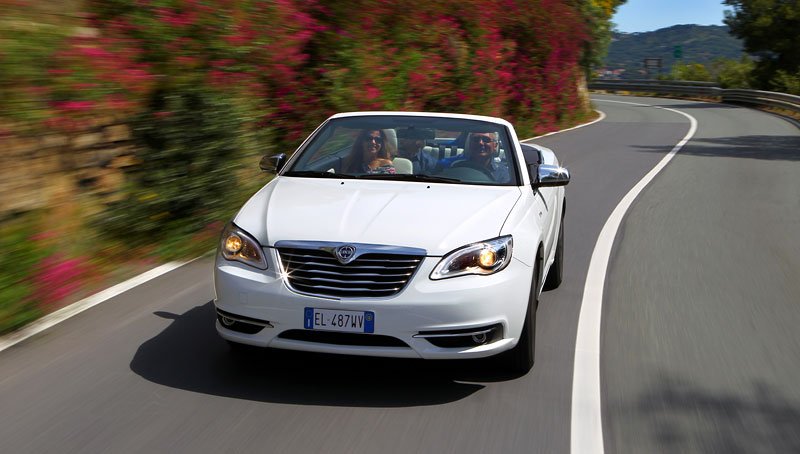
(602, 116)
(587, 425)
(76, 308)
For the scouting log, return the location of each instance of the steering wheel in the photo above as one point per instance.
(467, 173)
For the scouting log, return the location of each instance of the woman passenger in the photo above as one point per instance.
(369, 154)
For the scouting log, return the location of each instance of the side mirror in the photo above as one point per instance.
(548, 176)
(272, 164)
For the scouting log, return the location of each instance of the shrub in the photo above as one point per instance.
(787, 82)
(57, 277)
(189, 146)
(21, 254)
(691, 71)
(732, 73)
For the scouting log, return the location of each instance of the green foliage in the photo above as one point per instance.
(732, 73)
(787, 82)
(727, 73)
(17, 263)
(190, 143)
(25, 50)
(769, 29)
(691, 71)
(597, 14)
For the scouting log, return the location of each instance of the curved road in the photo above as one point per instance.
(699, 348)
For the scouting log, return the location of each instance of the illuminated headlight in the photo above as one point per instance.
(486, 257)
(237, 245)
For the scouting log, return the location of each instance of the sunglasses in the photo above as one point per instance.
(483, 139)
(377, 140)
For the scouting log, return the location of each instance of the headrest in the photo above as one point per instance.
(391, 141)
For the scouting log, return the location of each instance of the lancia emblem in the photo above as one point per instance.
(345, 254)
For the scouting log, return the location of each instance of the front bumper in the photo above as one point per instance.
(424, 305)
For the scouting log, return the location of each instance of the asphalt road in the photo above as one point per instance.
(700, 347)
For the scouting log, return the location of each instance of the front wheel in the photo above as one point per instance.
(556, 272)
(521, 357)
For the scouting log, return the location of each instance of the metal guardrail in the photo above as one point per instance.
(690, 88)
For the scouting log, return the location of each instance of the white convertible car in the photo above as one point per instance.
(397, 234)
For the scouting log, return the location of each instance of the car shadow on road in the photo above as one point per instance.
(762, 147)
(683, 417)
(190, 355)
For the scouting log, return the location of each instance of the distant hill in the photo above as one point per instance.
(699, 43)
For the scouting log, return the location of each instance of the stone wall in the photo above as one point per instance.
(47, 169)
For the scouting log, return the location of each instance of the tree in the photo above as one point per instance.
(769, 30)
(597, 14)
(733, 73)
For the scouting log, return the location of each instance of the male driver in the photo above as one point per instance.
(481, 153)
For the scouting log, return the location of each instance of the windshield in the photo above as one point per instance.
(426, 149)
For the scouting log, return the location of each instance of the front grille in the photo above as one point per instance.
(352, 339)
(318, 272)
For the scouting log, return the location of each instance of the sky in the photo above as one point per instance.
(649, 15)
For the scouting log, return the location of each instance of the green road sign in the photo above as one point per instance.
(677, 52)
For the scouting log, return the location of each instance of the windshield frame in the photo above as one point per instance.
(394, 121)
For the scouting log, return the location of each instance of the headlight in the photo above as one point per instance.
(238, 245)
(486, 257)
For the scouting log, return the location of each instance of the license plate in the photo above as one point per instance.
(335, 320)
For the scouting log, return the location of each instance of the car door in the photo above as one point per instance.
(545, 200)
(548, 197)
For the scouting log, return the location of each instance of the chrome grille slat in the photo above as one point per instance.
(355, 289)
(356, 266)
(348, 282)
(410, 261)
(335, 273)
(372, 274)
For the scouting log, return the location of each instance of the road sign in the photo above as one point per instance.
(652, 66)
(652, 63)
(677, 52)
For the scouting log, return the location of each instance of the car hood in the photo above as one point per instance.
(436, 217)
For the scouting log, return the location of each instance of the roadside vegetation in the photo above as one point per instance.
(726, 73)
(207, 87)
(768, 31)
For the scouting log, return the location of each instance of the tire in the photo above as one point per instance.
(556, 272)
(520, 359)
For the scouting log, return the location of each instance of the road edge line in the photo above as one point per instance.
(76, 308)
(601, 118)
(586, 425)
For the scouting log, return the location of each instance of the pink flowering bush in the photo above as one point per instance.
(57, 277)
(290, 63)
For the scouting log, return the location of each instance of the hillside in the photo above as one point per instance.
(699, 43)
